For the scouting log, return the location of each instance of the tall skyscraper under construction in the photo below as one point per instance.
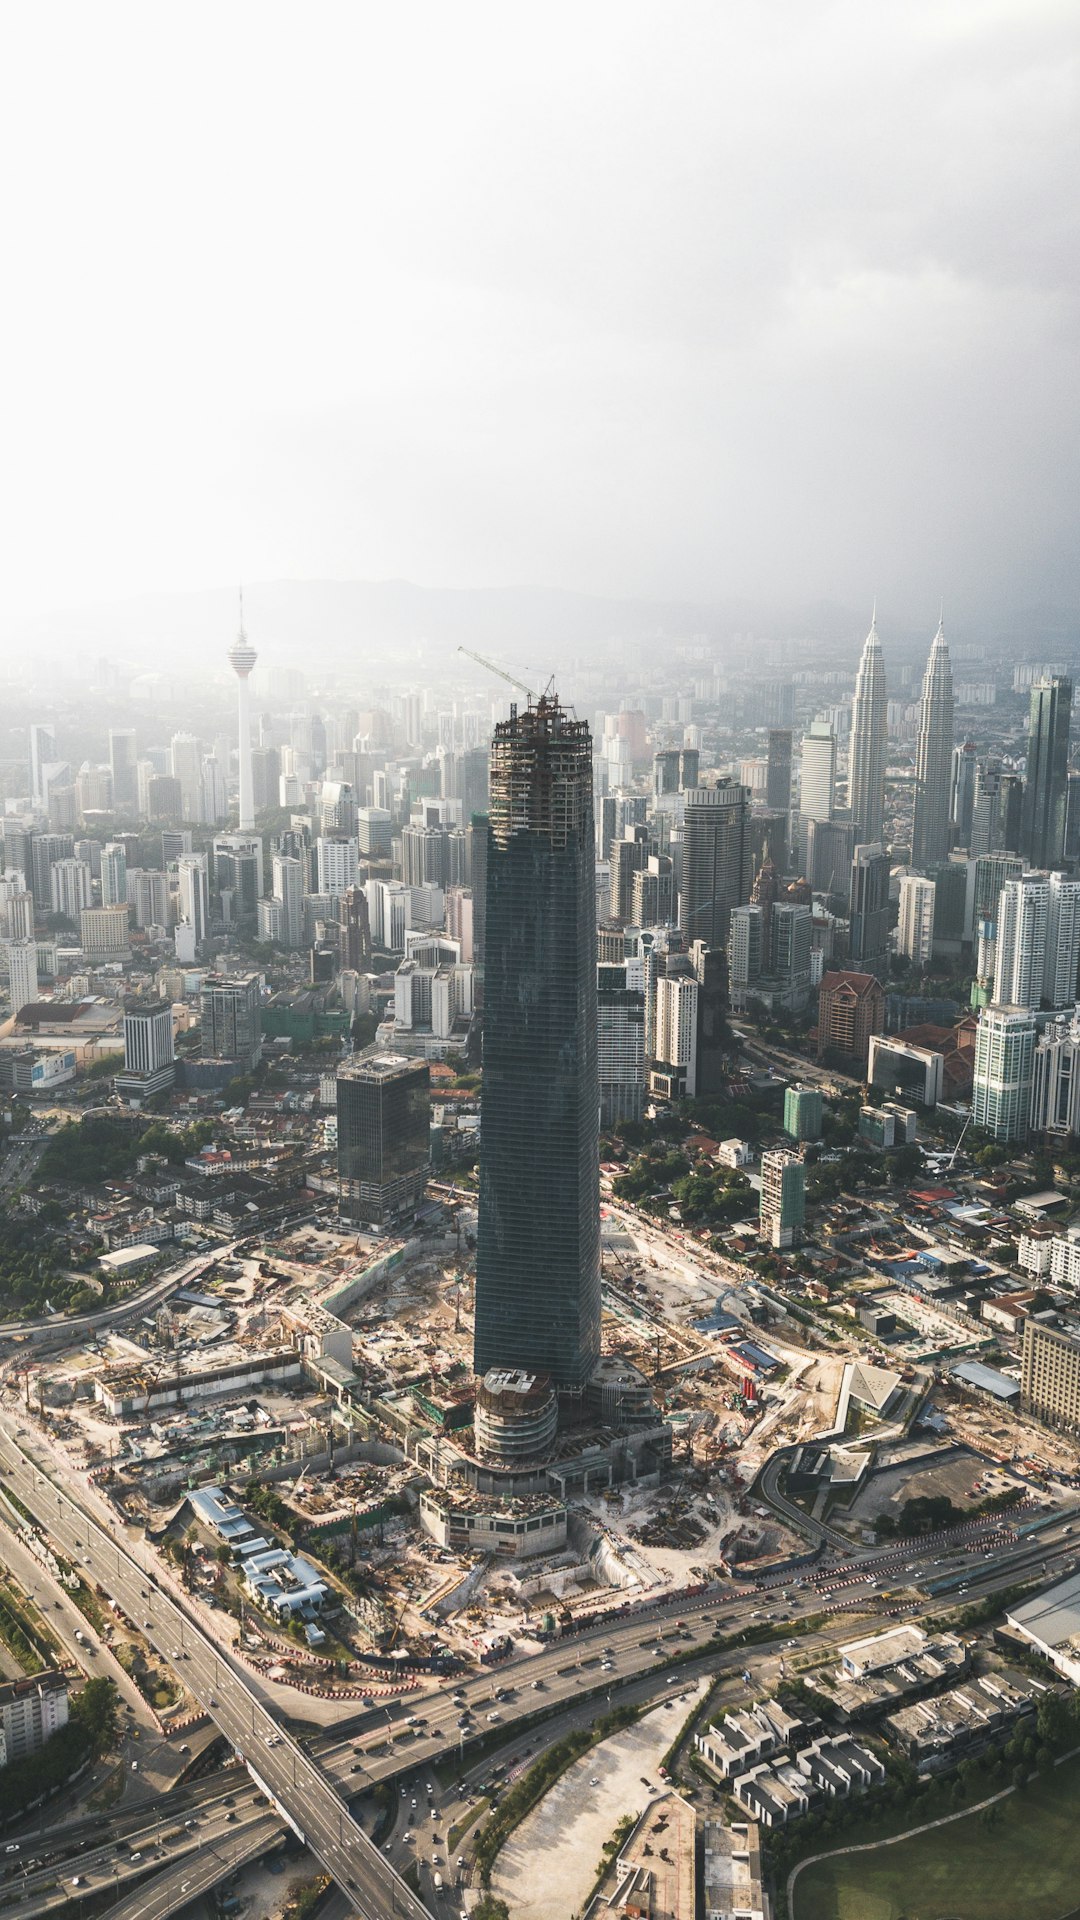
(931, 831)
(538, 1239)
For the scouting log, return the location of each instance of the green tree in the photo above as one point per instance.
(94, 1710)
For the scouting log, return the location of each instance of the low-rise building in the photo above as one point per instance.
(654, 1876)
(732, 1873)
(746, 1735)
(827, 1769)
(470, 1522)
(884, 1668)
(934, 1733)
(1050, 1623)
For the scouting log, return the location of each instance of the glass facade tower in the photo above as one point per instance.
(538, 1239)
(1046, 786)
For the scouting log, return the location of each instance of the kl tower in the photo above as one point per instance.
(242, 657)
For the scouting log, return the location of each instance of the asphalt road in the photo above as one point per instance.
(411, 1735)
(278, 1763)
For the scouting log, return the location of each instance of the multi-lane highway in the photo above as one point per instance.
(411, 1734)
(276, 1761)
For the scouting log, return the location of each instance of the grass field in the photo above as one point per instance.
(1025, 1867)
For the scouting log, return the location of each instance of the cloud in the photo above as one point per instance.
(682, 301)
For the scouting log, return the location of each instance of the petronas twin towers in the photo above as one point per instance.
(866, 761)
(930, 834)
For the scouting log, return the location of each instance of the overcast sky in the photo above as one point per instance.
(680, 300)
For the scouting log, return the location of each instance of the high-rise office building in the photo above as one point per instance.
(165, 797)
(1055, 1088)
(1042, 832)
(242, 658)
(42, 751)
(962, 802)
(778, 768)
(828, 852)
(818, 789)
(915, 930)
(870, 910)
(194, 891)
(22, 965)
(383, 1138)
(148, 896)
(72, 888)
(1050, 1376)
(629, 856)
(238, 873)
(1037, 934)
(231, 1017)
(665, 772)
(123, 761)
(867, 753)
(997, 810)
(930, 831)
(149, 1059)
(185, 754)
(288, 885)
(103, 932)
(538, 1237)
(113, 875)
(653, 899)
(620, 1041)
(673, 1068)
(783, 1198)
(1004, 1065)
(45, 850)
(355, 929)
(337, 864)
(803, 1110)
(716, 869)
(1072, 820)
(851, 1009)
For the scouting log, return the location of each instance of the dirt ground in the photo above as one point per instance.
(569, 1827)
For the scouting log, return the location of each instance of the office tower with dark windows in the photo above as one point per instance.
(830, 846)
(931, 831)
(778, 768)
(355, 929)
(962, 805)
(870, 911)
(665, 772)
(149, 1059)
(997, 810)
(538, 1235)
(231, 1016)
(716, 860)
(383, 1138)
(866, 758)
(1042, 832)
(123, 761)
(620, 1003)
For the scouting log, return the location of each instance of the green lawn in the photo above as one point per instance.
(1026, 1867)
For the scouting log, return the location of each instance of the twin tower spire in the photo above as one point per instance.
(933, 759)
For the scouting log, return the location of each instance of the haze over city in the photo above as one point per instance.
(540, 963)
(726, 306)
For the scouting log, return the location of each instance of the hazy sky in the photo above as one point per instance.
(692, 299)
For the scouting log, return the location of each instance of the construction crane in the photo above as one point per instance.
(960, 1142)
(501, 671)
